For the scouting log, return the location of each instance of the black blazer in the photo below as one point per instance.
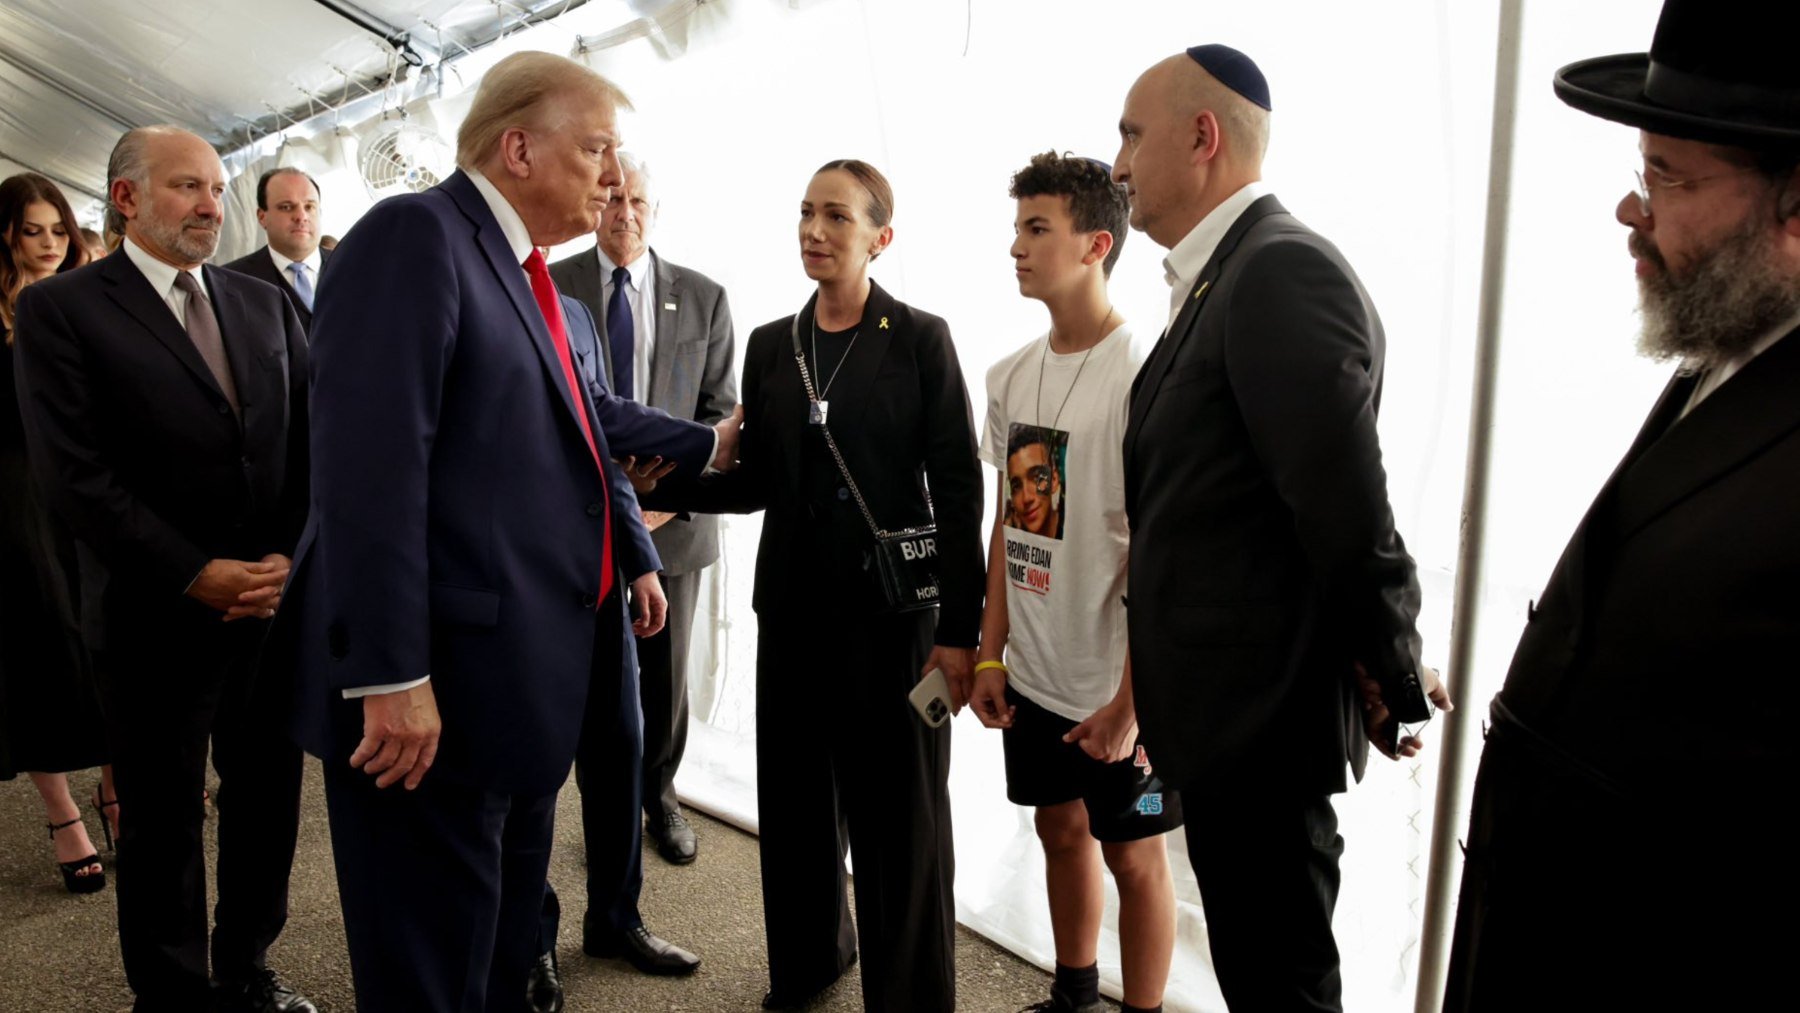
(1644, 736)
(900, 415)
(134, 441)
(1264, 560)
(258, 265)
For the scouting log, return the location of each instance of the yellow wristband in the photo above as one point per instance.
(984, 666)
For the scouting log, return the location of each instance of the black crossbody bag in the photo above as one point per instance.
(905, 561)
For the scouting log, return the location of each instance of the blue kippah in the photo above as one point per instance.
(1234, 70)
(1107, 166)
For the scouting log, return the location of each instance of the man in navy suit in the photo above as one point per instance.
(459, 594)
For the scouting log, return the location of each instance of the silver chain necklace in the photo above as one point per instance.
(1043, 358)
(841, 359)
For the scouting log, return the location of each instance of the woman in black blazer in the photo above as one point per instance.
(839, 749)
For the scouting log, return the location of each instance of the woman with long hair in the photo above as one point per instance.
(49, 716)
(856, 419)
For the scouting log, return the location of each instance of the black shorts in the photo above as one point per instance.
(1125, 800)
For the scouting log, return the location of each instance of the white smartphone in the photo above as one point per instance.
(931, 698)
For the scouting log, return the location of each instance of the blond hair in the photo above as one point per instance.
(512, 94)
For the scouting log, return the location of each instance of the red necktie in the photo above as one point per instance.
(544, 291)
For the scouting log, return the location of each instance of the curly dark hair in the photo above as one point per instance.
(1096, 203)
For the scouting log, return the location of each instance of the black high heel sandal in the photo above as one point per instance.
(106, 820)
(72, 879)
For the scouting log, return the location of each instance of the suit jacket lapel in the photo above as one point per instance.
(670, 313)
(518, 290)
(132, 292)
(236, 330)
(1745, 414)
(1156, 366)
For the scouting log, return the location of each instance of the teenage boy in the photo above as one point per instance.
(1052, 671)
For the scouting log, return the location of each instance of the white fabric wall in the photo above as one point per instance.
(1381, 131)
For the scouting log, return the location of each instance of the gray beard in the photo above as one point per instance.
(1736, 295)
(177, 240)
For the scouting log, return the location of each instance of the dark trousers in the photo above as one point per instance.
(608, 762)
(662, 685)
(843, 757)
(441, 889)
(1267, 867)
(170, 682)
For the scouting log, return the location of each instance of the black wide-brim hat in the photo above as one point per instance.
(1718, 71)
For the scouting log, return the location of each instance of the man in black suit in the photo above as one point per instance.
(1264, 564)
(165, 406)
(1627, 840)
(287, 208)
(666, 341)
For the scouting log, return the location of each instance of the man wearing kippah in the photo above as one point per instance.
(1627, 839)
(1265, 574)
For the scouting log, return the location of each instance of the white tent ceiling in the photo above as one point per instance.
(74, 75)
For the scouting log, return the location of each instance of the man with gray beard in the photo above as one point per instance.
(1626, 848)
(164, 404)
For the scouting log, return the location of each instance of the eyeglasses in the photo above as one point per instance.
(1645, 187)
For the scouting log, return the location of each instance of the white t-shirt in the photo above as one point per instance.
(1062, 468)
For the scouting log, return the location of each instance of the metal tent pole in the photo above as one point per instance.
(1446, 860)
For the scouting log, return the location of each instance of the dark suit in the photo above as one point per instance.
(691, 376)
(258, 265)
(140, 452)
(1628, 848)
(1264, 563)
(609, 755)
(839, 750)
(457, 532)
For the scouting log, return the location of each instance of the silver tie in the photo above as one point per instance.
(203, 331)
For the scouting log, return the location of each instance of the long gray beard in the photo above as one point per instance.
(1735, 296)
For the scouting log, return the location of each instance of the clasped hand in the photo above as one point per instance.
(240, 589)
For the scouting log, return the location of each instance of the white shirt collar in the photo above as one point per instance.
(160, 275)
(633, 270)
(1187, 258)
(281, 263)
(1715, 378)
(512, 227)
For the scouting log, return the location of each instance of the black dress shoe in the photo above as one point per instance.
(544, 991)
(674, 838)
(643, 951)
(263, 993)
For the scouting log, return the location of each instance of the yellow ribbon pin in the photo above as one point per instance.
(1202, 290)
(884, 325)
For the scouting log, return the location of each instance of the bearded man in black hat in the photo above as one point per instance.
(1627, 848)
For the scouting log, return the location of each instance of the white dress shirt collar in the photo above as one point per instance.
(1715, 378)
(161, 275)
(512, 227)
(1182, 267)
(281, 262)
(637, 270)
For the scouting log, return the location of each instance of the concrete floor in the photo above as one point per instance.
(59, 953)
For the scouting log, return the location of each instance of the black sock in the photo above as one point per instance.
(1129, 1008)
(1079, 985)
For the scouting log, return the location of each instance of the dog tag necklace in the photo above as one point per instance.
(820, 409)
(1044, 358)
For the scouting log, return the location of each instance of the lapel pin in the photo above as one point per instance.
(668, 305)
(884, 325)
(1202, 290)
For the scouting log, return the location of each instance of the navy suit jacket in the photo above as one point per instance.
(456, 520)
